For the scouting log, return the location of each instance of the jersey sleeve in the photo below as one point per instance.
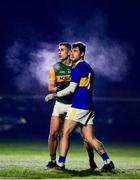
(52, 74)
(75, 75)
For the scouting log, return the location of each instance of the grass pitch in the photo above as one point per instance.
(27, 160)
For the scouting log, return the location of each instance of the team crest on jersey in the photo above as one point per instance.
(62, 72)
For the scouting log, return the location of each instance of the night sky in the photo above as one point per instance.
(30, 31)
(31, 23)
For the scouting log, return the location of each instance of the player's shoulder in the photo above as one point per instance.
(56, 65)
(87, 65)
(83, 65)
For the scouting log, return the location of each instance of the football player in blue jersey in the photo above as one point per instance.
(59, 79)
(82, 111)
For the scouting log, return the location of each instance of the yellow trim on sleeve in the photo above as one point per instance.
(52, 73)
(85, 81)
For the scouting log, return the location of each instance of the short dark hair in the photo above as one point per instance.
(68, 45)
(80, 45)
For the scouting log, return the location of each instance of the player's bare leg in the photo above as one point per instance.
(90, 152)
(68, 127)
(90, 138)
(55, 128)
(88, 133)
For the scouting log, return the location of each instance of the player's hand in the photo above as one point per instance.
(49, 97)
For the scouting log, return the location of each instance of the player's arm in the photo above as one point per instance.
(52, 80)
(69, 90)
(51, 84)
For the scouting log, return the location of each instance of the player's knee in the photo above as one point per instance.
(85, 139)
(65, 133)
(88, 140)
(53, 135)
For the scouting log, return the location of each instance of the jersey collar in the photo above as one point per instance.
(78, 62)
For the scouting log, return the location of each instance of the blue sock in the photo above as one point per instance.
(61, 159)
(104, 156)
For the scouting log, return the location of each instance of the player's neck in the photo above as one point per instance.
(67, 62)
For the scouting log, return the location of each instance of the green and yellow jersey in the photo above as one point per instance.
(60, 73)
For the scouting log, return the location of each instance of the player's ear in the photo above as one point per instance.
(82, 55)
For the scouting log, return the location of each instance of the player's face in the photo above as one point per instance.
(76, 54)
(63, 52)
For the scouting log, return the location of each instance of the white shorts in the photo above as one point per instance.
(60, 109)
(82, 116)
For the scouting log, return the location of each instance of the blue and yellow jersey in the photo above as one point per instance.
(83, 75)
(60, 73)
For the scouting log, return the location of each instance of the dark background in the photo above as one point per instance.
(23, 115)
